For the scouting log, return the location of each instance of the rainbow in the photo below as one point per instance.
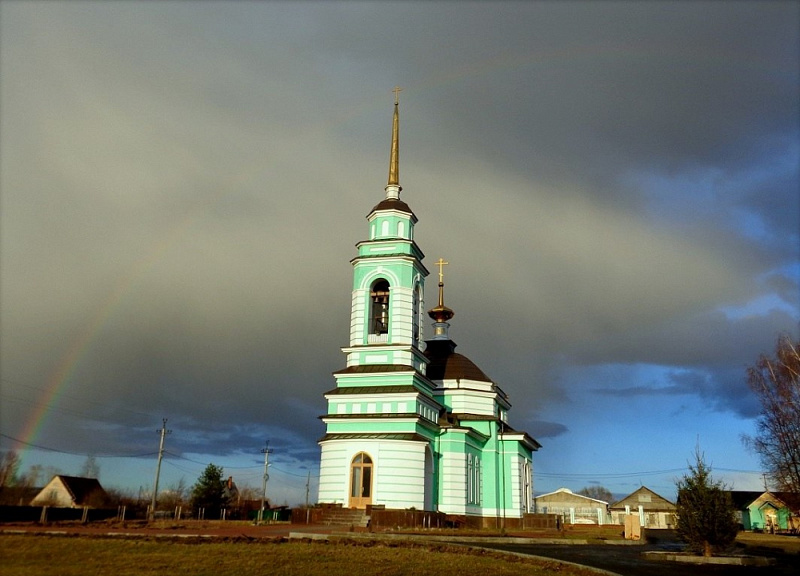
(58, 379)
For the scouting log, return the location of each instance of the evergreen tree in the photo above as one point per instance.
(209, 491)
(706, 516)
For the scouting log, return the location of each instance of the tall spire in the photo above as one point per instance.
(393, 186)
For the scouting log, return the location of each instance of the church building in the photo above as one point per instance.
(412, 424)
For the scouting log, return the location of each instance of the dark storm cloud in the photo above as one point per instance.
(183, 184)
(721, 389)
(542, 429)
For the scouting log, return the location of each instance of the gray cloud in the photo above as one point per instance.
(182, 187)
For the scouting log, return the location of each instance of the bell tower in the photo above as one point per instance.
(388, 279)
(382, 418)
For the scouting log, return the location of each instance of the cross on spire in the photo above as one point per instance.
(396, 91)
(441, 263)
(441, 313)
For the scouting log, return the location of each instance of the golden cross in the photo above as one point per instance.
(396, 91)
(440, 263)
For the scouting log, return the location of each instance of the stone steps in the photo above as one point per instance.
(345, 517)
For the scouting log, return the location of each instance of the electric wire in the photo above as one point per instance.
(57, 450)
(541, 475)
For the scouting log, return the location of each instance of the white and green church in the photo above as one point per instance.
(412, 424)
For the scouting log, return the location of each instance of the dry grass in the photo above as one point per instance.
(29, 555)
(784, 543)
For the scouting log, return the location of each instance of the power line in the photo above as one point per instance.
(632, 474)
(53, 405)
(607, 475)
(181, 457)
(40, 447)
(564, 475)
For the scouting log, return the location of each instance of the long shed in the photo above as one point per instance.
(573, 508)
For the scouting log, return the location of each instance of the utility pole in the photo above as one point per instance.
(163, 432)
(308, 484)
(266, 452)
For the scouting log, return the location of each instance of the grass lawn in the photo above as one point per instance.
(37, 555)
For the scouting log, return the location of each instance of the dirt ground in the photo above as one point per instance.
(190, 528)
(626, 560)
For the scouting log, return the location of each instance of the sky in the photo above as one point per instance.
(182, 185)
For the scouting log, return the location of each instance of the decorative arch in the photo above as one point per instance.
(380, 273)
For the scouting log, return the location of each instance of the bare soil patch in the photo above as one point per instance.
(77, 555)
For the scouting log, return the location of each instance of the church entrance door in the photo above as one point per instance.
(361, 481)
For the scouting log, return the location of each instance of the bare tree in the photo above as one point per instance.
(598, 493)
(174, 495)
(90, 467)
(9, 465)
(31, 478)
(248, 492)
(51, 472)
(776, 382)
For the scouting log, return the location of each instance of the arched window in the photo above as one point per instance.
(415, 316)
(527, 486)
(379, 313)
(385, 228)
(401, 229)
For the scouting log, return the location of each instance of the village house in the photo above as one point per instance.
(71, 492)
(763, 511)
(654, 511)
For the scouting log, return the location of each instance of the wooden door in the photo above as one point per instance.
(361, 481)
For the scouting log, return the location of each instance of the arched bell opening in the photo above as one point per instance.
(379, 308)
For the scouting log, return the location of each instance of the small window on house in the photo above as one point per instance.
(379, 317)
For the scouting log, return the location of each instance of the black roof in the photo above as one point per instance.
(446, 364)
(393, 204)
(81, 488)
